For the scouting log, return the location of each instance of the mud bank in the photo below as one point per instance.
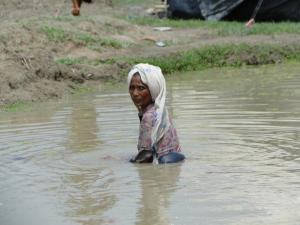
(46, 53)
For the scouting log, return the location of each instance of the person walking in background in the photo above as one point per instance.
(77, 5)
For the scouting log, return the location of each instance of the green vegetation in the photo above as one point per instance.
(222, 28)
(81, 90)
(93, 42)
(16, 107)
(71, 61)
(135, 2)
(83, 60)
(221, 56)
(55, 34)
(71, 18)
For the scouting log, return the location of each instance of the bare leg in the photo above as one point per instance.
(250, 23)
(76, 7)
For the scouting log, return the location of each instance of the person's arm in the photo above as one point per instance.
(145, 154)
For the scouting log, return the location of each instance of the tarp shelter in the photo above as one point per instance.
(240, 10)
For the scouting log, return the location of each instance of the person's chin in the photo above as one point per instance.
(138, 104)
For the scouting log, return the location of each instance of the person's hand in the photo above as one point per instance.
(132, 160)
(144, 156)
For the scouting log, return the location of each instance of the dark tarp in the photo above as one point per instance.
(240, 10)
(184, 9)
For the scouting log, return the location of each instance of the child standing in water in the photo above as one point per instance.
(157, 135)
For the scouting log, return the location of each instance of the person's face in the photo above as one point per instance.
(139, 93)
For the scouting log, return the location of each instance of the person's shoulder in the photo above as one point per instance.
(150, 109)
(148, 116)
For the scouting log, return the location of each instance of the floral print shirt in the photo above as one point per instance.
(168, 143)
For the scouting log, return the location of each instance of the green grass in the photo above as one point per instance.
(15, 107)
(55, 34)
(71, 61)
(237, 28)
(82, 60)
(93, 42)
(71, 18)
(136, 2)
(221, 56)
(81, 90)
(222, 28)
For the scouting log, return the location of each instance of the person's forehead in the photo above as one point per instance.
(136, 78)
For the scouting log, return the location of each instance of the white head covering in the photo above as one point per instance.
(154, 79)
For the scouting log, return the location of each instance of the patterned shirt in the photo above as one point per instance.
(168, 143)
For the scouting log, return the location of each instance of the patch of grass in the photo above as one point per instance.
(81, 60)
(267, 28)
(113, 43)
(85, 39)
(152, 21)
(135, 2)
(223, 28)
(55, 34)
(70, 61)
(221, 56)
(71, 18)
(16, 107)
(81, 90)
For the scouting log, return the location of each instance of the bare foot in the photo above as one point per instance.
(250, 23)
(76, 12)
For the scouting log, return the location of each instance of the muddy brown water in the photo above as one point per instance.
(66, 162)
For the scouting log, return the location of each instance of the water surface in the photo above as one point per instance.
(66, 162)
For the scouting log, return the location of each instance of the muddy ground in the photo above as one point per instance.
(37, 38)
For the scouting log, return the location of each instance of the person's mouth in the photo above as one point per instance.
(137, 101)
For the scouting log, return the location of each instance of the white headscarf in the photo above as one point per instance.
(154, 79)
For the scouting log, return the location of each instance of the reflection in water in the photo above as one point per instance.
(87, 182)
(83, 127)
(88, 198)
(259, 107)
(244, 134)
(158, 183)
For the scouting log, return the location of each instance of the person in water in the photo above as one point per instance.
(157, 134)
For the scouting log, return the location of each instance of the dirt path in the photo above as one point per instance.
(36, 35)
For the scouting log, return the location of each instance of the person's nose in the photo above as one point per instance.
(135, 93)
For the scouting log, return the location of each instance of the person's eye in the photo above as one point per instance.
(141, 88)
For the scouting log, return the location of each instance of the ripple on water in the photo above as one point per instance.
(238, 128)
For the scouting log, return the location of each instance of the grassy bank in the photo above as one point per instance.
(222, 28)
(15, 107)
(224, 55)
(48, 55)
(221, 55)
